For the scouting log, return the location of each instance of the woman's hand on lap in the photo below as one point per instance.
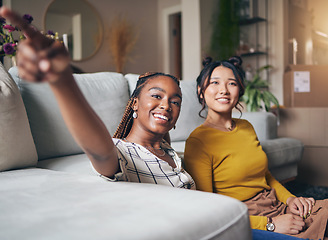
(288, 224)
(301, 206)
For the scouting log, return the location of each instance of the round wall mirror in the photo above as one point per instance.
(78, 24)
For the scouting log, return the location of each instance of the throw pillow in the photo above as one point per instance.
(17, 149)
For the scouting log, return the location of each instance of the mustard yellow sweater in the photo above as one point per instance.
(231, 163)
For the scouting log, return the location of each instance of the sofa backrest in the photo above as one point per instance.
(189, 118)
(106, 92)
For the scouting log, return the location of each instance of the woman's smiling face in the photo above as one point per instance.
(158, 105)
(222, 93)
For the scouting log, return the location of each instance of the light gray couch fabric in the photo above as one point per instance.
(63, 199)
(283, 155)
(38, 204)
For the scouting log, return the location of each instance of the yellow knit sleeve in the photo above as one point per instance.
(258, 222)
(198, 164)
(282, 193)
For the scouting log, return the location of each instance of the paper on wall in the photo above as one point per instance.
(301, 81)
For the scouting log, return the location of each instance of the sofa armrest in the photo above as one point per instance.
(125, 210)
(264, 123)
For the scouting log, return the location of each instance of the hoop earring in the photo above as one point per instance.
(135, 114)
(174, 127)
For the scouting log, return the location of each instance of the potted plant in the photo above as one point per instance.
(257, 96)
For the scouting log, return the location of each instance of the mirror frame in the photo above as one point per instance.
(101, 27)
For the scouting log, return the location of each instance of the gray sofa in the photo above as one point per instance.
(49, 191)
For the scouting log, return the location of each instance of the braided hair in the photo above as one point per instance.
(125, 125)
(234, 63)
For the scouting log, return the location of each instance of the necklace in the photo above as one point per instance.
(222, 127)
(160, 155)
(154, 150)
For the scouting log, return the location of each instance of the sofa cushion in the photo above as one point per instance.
(44, 204)
(79, 163)
(283, 156)
(17, 149)
(106, 92)
(282, 151)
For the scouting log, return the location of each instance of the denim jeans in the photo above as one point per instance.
(266, 235)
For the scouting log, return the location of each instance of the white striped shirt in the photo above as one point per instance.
(138, 164)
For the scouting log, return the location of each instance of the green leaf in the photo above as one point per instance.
(256, 94)
(271, 98)
(255, 80)
(259, 100)
(266, 101)
(258, 71)
(251, 100)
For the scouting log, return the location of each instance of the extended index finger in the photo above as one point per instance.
(19, 22)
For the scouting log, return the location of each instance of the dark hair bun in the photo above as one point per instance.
(206, 61)
(236, 60)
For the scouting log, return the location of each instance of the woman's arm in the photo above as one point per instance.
(286, 223)
(198, 164)
(86, 127)
(282, 193)
(258, 222)
(40, 59)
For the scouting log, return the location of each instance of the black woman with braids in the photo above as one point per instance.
(151, 112)
(138, 151)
